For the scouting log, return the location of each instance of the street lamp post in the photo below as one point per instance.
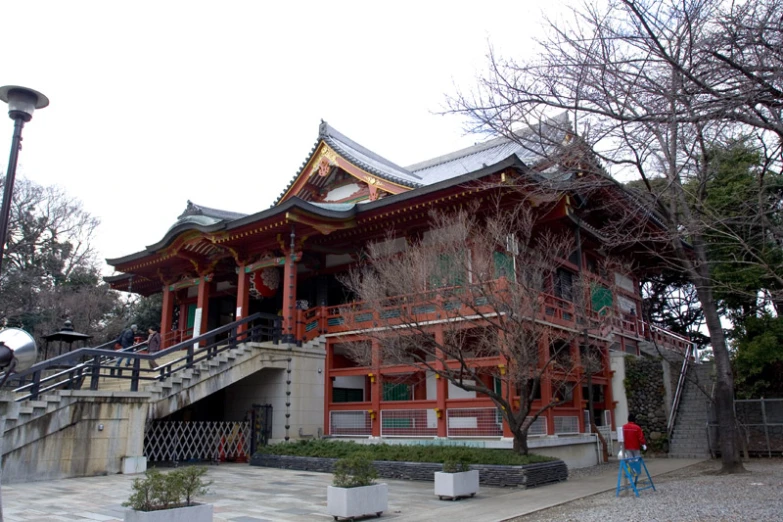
(22, 102)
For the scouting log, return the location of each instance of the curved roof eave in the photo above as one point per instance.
(286, 206)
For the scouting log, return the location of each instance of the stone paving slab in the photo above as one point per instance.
(241, 493)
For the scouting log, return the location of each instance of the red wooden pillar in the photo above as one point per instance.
(441, 387)
(375, 389)
(289, 294)
(579, 398)
(166, 317)
(202, 307)
(243, 298)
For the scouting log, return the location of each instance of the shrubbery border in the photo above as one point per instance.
(526, 476)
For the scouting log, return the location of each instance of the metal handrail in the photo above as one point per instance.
(205, 346)
(678, 392)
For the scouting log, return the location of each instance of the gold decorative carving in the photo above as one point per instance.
(326, 158)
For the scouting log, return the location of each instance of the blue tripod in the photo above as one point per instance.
(631, 470)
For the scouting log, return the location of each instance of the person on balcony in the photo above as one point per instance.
(634, 438)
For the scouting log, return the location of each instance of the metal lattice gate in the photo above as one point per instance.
(183, 441)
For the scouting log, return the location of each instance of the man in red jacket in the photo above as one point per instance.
(634, 438)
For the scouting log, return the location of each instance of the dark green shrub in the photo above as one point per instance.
(403, 453)
(354, 471)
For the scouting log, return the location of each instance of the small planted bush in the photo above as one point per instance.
(354, 471)
(157, 491)
(456, 465)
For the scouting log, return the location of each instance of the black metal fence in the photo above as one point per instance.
(760, 425)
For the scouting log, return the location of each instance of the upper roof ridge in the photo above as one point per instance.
(559, 122)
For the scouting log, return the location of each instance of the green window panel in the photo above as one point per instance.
(396, 392)
(448, 272)
(347, 395)
(397, 423)
(504, 265)
(601, 298)
(191, 315)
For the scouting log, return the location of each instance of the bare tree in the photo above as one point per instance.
(652, 88)
(50, 271)
(480, 300)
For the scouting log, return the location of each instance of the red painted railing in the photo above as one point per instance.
(331, 319)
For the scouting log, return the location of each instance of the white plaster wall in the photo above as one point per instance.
(458, 393)
(432, 386)
(269, 386)
(342, 192)
(354, 382)
(617, 365)
(578, 453)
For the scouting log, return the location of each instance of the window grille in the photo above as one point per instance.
(538, 428)
(473, 422)
(566, 425)
(350, 423)
(409, 423)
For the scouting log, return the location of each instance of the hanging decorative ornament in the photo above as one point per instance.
(265, 282)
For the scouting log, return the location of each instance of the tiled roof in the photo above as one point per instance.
(366, 159)
(218, 215)
(531, 145)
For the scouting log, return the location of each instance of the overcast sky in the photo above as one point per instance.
(154, 103)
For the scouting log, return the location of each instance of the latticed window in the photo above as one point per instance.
(504, 265)
(600, 298)
(449, 271)
(564, 284)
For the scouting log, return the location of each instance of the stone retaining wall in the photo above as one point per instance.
(528, 476)
(644, 387)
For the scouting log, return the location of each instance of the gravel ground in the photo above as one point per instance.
(695, 493)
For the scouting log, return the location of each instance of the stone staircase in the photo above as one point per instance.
(689, 436)
(42, 437)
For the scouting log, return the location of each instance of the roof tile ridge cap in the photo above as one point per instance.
(459, 154)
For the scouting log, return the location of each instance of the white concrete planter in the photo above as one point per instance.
(196, 513)
(455, 485)
(355, 502)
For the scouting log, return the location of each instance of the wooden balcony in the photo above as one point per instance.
(440, 304)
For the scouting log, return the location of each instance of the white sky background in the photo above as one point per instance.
(157, 102)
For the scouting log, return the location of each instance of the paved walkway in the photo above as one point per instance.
(242, 493)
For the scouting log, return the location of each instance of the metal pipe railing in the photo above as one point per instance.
(679, 391)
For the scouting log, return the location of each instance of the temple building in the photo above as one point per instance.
(214, 267)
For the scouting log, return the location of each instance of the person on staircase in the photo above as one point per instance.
(153, 343)
(633, 437)
(126, 340)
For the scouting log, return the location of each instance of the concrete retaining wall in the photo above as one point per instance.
(93, 435)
